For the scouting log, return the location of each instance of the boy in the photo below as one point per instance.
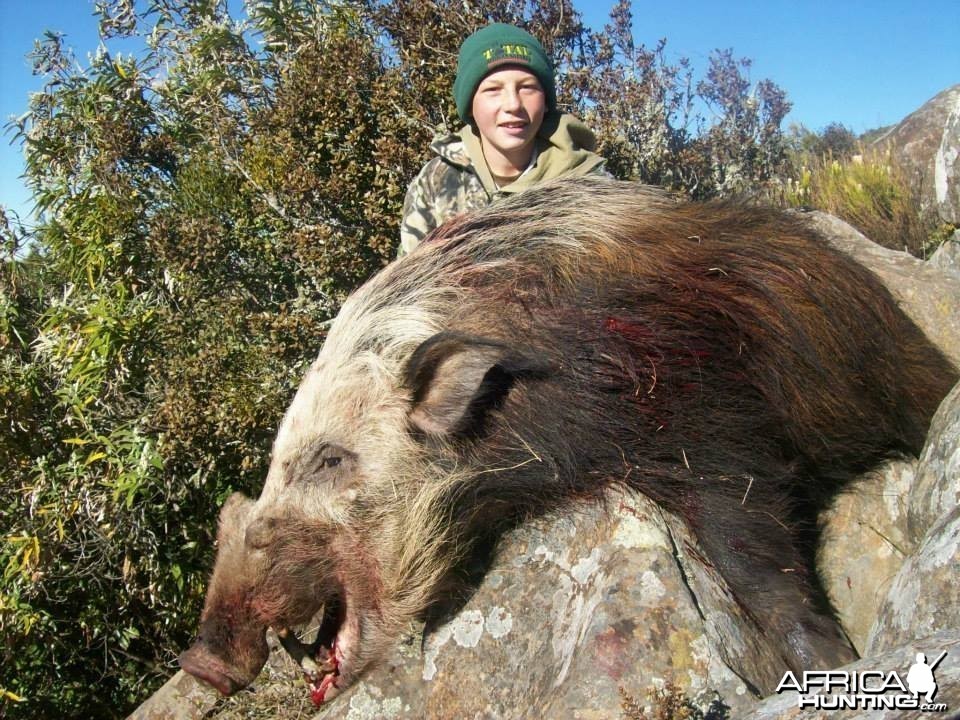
(513, 139)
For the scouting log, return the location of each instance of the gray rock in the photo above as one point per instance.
(786, 705)
(926, 145)
(946, 258)
(574, 609)
(181, 698)
(936, 489)
(928, 295)
(925, 594)
(946, 168)
(902, 520)
(870, 516)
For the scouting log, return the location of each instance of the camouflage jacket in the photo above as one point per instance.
(458, 180)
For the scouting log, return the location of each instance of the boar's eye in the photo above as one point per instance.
(322, 462)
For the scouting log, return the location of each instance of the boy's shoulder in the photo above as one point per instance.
(450, 148)
(450, 167)
(443, 182)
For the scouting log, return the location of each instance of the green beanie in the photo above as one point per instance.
(491, 47)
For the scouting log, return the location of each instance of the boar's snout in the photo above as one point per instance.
(204, 665)
(227, 662)
(231, 645)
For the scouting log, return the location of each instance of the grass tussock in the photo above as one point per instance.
(871, 193)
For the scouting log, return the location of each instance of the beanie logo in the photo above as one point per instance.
(512, 52)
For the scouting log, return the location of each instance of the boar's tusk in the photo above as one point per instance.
(301, 653)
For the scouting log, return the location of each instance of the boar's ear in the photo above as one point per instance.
(456, 379)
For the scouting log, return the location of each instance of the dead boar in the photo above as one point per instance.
(583, 335)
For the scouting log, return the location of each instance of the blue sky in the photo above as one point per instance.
(863, 64)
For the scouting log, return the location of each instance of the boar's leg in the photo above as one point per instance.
(752, 544)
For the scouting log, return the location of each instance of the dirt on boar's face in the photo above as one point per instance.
(584, 334)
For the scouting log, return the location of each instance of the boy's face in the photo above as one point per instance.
(508, 109)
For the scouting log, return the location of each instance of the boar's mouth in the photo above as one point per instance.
(324, 661)
(327, 661)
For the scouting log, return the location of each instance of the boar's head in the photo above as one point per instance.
(370, 499)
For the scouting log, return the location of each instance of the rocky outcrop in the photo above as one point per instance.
(926, 144)
(183, 697)
(928, 294)
(870, 517)
(924, 595)
(946, 168)
(946, 258)
(574, 610)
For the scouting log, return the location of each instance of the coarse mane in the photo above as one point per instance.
(594, 262)
(496, 252)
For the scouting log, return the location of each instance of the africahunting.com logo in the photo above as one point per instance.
(867, 689)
